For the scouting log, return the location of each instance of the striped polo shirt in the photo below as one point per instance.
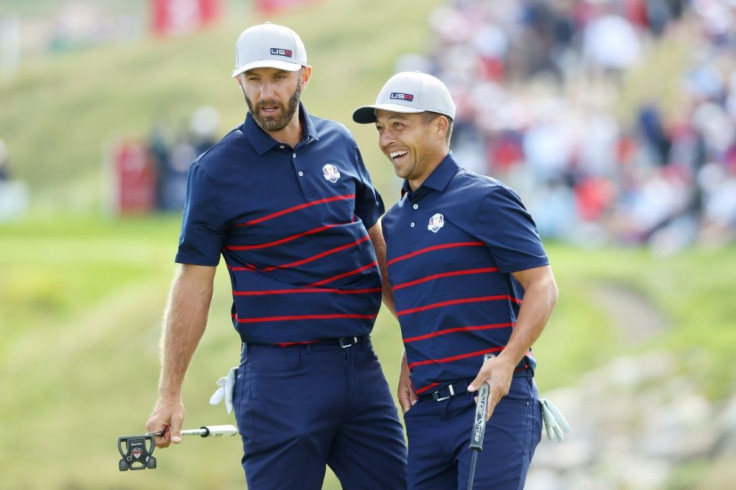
(291, 225)
(451, 248)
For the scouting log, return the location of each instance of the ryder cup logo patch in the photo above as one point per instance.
(436, 222)
(401, 96)
(330, 172)
(282, 52)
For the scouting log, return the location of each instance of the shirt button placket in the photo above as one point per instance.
(293, 157)
(415, 207)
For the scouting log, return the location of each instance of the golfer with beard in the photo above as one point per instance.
(286, 200)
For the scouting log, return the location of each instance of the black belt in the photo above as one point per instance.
(461, 386)
(450, 390)
(344, 342)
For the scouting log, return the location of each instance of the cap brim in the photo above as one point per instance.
(279, 65)
(367, 114)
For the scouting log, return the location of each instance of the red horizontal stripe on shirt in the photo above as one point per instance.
(454, 358)
(346, 274)
(445, 274)
(305, 290)
(283, 240)
(296, 208)
(318, 256)
(302, 317)
(248, 267)
(253, 268)
(458, 329)
(442, 304)
(433, 248)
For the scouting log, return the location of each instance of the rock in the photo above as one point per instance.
(680, 430)
(632, 422)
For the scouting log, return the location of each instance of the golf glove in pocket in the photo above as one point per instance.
(225, 390)
(554, 423)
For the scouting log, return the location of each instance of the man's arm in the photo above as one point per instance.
(185, 321)
(540, 296)
(405, 392)
(379, 245)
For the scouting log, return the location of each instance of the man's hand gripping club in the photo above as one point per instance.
(497, 372)
(167, 417)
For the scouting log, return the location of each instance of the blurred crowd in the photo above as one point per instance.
(540, 88)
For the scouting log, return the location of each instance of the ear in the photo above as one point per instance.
(239, 80)
(306, 75)
(442, 125)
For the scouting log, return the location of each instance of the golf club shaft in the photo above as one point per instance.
(205, 431)
(479, 430)
(473, 462)
(479, 426)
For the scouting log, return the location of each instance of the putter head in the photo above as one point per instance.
(136, 452)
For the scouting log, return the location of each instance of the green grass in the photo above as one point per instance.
(80, 315)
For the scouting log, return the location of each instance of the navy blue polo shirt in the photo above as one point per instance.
(451, 248)
(291, 225)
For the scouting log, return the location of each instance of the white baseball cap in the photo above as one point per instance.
(269, 46)
(409, 92)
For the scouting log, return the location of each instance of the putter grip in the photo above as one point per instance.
(219, 430)
(479, 424)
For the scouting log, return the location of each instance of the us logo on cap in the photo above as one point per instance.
(282, 52)
(331, 172)
(436, 222)
(401, 96)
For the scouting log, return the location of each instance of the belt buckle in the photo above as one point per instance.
(346, 342)
(436, 395)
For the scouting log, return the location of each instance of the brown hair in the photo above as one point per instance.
(428, 117)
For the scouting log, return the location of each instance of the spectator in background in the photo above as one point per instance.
(203, 127)
(160, 141)
(174, 183)
(173, 155)
(4, 165)
(14, 196)
(610, 44)
(653, 133)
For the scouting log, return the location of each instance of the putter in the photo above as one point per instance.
(137, 451)
(479, 426)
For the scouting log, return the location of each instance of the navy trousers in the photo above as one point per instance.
(439, 438)
(302, 407)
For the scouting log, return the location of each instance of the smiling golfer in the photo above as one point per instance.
(469, 276)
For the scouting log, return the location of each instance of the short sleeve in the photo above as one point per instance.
(203, 226)
(509, 231)
(369, 206)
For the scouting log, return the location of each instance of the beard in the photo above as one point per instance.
(275, 123)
